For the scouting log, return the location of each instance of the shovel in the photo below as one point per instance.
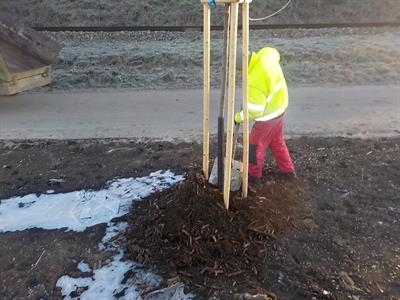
(236, 179)
(220, 153)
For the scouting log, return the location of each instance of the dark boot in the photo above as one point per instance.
(290, 175)
(254, 183)
(254, 180)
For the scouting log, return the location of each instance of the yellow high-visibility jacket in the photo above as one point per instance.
(268, 92)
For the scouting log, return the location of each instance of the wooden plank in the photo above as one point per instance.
(17, 64)
(14, 87)
(18, 59)
(35, 43)
(43, 71)
(231, 101)
(4, 74)
(245, 59)
(206, 87)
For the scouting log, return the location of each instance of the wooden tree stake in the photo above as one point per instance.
(245, 59)
(231, 101)
(206, 99)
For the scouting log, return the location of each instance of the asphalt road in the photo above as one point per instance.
(357, 111)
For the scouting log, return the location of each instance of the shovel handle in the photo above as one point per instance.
(221, 130)
(220, 156)
(235, 138)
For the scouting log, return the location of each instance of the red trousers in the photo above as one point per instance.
(263, 135)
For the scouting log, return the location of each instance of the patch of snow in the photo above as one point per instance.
(80, 209)
(109, 281)
(174, 292)
(118, 278)
(105, 283)
(84, 267)
(113, 229)
(69, 285)
(325, 292)
(56, 180)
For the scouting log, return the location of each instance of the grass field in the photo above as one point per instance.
(153, 60)
(188, 12)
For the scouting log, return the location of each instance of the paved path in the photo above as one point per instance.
(326, 111)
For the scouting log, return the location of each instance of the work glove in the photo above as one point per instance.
(238, 119)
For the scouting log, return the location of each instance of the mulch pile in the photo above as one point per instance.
(186, 234)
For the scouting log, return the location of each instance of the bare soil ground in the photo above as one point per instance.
(27, 167)
(341, 241)
(54, 251)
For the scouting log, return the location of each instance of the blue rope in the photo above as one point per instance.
(212, 3)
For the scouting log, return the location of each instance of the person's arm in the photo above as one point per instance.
(256, 107)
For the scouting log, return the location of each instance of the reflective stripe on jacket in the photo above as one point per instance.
(268, 93)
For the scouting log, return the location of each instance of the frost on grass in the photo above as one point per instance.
(339, 56)
(80, 209)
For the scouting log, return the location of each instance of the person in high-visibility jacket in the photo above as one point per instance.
(268, 100)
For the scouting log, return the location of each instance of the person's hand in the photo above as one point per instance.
(238, 119)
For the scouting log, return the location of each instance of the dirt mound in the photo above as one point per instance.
(186, 234)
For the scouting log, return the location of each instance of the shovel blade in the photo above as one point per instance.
(236, 178)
